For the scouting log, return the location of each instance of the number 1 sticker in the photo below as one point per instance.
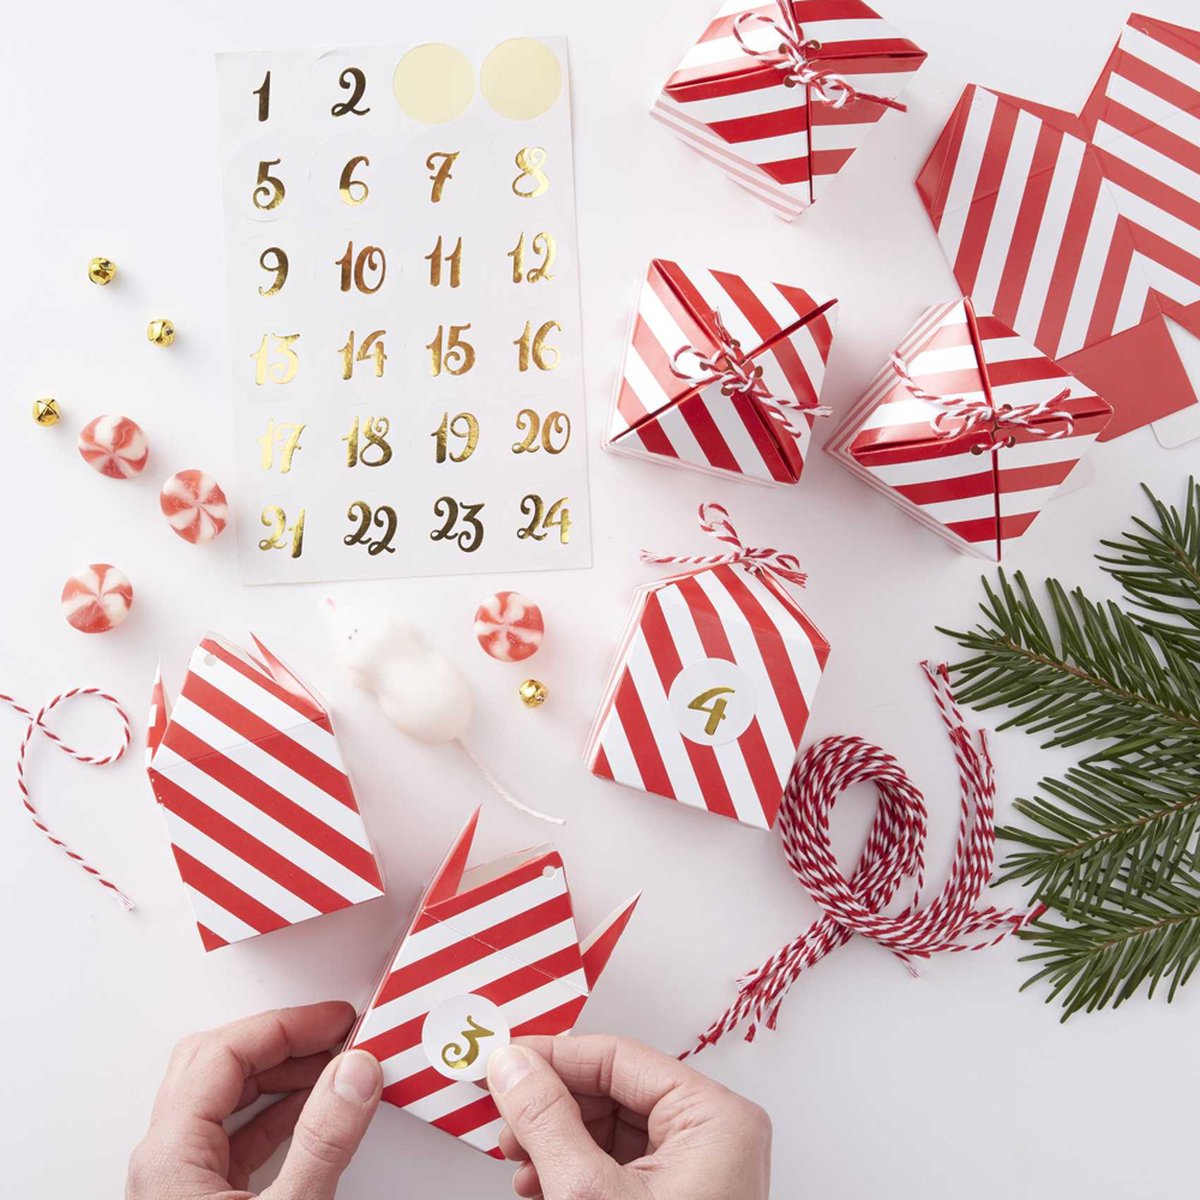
(713, 701)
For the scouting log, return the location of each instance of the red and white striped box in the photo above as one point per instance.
(949, 473)
(710, 692)
(1082, 233)
(491, 954)
(780, 95)
(258, 804)
(679, 399)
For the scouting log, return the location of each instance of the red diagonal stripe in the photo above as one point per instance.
(225, 895)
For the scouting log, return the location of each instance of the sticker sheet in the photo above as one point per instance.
(404, 310)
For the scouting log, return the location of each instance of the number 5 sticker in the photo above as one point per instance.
(713, 701)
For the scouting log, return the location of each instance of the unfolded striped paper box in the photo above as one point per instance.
(262, 818)
(979, 502)
(1083, 232)
(491, 954)
(710, 693)
(671, 418)
(783, 144)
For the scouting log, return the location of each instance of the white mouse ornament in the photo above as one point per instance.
(420, 690)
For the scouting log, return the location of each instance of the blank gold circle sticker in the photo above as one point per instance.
(521, 79)
(434, 83)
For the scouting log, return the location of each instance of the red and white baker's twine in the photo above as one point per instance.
(37, 721)
(738, 375)
(894, 854)
(795, 56)
(997, 423)
(714, 520)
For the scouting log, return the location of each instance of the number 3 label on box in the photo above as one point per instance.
(713, 701)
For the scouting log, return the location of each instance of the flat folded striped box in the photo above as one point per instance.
(710, 692)
(491, 954)
(933, 467)
(783, 144)
(1082, 233)
(258, 804)
(683, 421)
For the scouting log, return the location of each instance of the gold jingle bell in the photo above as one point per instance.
(161, 332)
(532, 693)
(45, 410)
(102, 270)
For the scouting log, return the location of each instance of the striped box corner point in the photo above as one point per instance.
(498, 945)
(262, 818)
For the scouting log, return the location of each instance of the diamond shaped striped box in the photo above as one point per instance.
(258, 804)
(491, 954)
(936, 468)
(710, 693)
(677, 414)
(783, 143)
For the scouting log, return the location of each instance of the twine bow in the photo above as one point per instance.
(997, 423)
(714, 520)
(894, 854)
(740, 376)
(794, 55)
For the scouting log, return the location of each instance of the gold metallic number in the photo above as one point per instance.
(283, 369)
(449, 510)
(279, 265)
(532, 180)
(367, 443)
(465, 427)
(353, 191)
(542, 519)
(551, 435)
(543, 244)
(355, 269)
(458, 1056)
(354, 81)
(371, 348)
(384, 517)
(287, 435)
(451, 351)
(275, 519)
(713, 703)
(270, 190)
(263, 92)
(531, 347)
(435, 258)
(440, 162)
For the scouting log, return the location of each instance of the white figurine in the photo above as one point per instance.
(419, 689)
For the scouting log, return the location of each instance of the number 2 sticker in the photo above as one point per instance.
(713, 701)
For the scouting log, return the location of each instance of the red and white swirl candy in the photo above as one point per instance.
(509, 626)
(97, 598)
(194, 505)
(115, 446)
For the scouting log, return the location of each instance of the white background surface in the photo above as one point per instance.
(879, 1085)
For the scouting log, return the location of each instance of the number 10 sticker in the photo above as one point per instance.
(713, 701)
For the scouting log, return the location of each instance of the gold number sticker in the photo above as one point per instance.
(531, 347)
(282, 536)
(440, 163)
(436, 257)
(543, 520)
(713, 702)
(384, 518)
(269, 190)
(367, 443)
(532, 180)
(451, 351)
(285, 435)
(449, 511)
(371, 348)
(541, 243)
(465, 427)
(279, 264)
(354, 81)
(458, 1056)
(263, 92)
(357, 268)
(552, 434)
(353, 191)
(283, 368)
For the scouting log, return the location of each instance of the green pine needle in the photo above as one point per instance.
(1111, 848)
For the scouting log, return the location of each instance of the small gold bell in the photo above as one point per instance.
(45, 410)
(102, 270)
(161, 332)
(532, 693)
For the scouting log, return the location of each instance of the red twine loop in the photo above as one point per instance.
(894, 854)
(37, 721)
(714, 520)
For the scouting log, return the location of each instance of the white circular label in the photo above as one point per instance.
(461, 1034)
(713, 701)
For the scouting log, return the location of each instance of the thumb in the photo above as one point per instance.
(545, 1119)
(330, 1127)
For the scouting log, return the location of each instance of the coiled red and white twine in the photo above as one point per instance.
(36, 721)
(894, 854)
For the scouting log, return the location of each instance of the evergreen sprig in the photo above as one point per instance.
(1111, 847)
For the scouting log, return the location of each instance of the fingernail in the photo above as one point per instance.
(356, 1077)
(507, 1068)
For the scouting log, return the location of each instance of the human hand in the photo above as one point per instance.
(602, 1118)
(328, 1103)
